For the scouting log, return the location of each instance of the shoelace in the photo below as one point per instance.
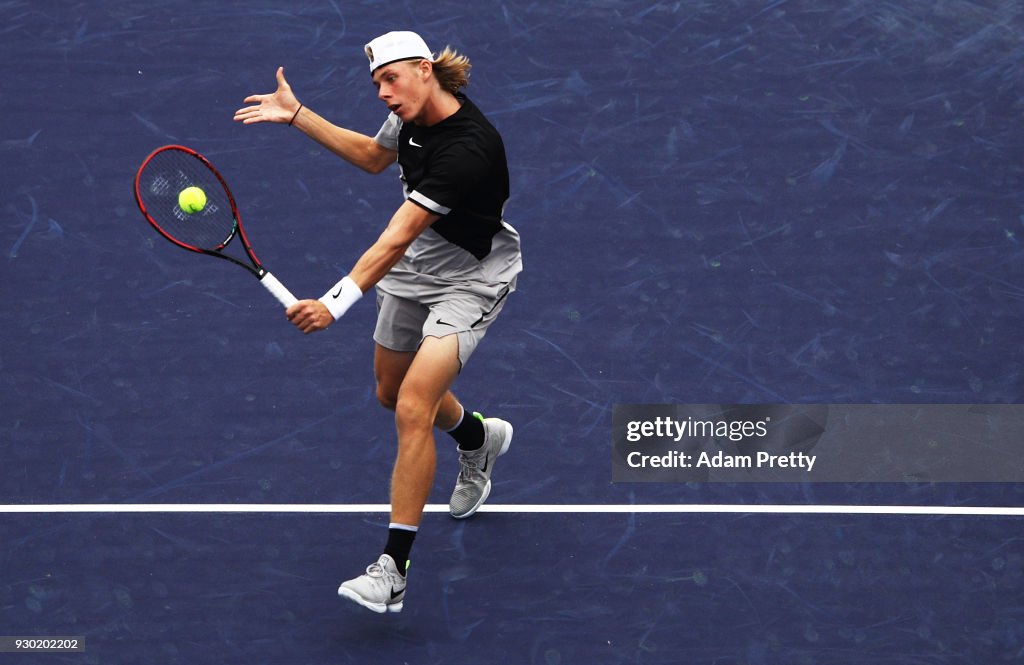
(470, 464)
(376, 570)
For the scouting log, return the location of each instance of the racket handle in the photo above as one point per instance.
(283, 295)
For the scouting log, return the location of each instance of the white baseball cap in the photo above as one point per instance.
(395, 46)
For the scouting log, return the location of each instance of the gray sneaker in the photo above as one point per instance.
(381, 588)
(475, 468)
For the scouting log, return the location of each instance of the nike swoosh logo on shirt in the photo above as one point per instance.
(413, 143)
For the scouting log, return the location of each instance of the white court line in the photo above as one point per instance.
(511, 508)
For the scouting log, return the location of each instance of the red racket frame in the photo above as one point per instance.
(256, 268)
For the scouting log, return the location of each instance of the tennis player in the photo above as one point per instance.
(443, 269)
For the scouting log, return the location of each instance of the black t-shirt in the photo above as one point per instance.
(457, 169)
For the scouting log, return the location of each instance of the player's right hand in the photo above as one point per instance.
(278, 106)
(309, 316)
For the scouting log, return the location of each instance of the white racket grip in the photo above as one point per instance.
(283, 295)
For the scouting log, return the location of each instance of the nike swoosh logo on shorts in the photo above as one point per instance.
(445, 323)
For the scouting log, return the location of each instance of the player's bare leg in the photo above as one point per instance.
(477, 450)
(390, 368)
(423, 389)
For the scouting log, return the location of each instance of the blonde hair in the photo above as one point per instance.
(451, 70)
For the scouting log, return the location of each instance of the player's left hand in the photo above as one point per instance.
(309, 316)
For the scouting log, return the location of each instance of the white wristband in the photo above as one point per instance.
(343, 295)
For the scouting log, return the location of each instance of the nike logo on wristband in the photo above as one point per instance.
(341, 296)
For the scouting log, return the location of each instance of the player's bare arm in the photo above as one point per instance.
(282, 106)
(355, 148)
(408, 222)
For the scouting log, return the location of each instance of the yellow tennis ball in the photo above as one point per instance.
(192, 199)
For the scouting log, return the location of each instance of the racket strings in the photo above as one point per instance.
(164, 177)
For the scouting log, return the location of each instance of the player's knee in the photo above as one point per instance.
(387, 398)
(412, 413)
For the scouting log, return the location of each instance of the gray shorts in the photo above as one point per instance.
(403, 324)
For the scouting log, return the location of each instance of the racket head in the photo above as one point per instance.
(161, 178)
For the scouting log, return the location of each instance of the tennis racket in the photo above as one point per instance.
(204, 227)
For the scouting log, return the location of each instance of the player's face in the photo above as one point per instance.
(402, 87)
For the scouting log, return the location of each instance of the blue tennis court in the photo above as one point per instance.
(782, 202)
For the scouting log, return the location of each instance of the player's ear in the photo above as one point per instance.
(426, 69)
